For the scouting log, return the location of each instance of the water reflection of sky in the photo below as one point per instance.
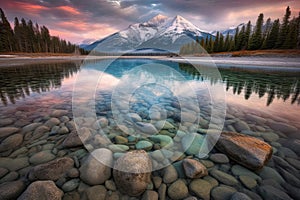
(55, 81)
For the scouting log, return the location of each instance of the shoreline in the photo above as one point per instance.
(245, 62)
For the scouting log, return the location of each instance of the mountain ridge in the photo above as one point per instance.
(160, 32)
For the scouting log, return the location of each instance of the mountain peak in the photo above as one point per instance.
(158, 19)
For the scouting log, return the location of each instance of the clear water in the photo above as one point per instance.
(49, 86)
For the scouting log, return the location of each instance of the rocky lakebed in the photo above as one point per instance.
(42, 157)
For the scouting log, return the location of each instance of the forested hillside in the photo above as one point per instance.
(268, 35)
(31, 38)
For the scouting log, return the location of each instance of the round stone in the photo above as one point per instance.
(201, 188)
(222, 192)
(144, 145)
(132, 172)
(219, 158)
(41, 157)
(178, 190)
(170, 174)
(248, 181)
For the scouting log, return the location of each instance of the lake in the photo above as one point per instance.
(127, 104)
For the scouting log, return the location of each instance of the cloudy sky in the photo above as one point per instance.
(79, 20)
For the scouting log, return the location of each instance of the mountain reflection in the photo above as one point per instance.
(280, 85)
(19, 81)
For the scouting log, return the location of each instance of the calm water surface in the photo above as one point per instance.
(50, 86)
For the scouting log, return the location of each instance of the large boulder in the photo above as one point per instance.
(52, 170)
(132, 172)
(245, 150)
(46, 190)
(96, 169)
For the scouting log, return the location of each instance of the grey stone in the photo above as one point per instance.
(238, 170)
(14, 164)
(58, 113)
(222, 192)
(95, 170)
(178, 190)
(281, 126)
(164, 140)
(3, 172)
(248, 181)
(269, 192)
(146, 128)
(240, 196)
(110, 185)
(6, 121)
(52, 122)
(192, 144)
(120, 148)
(11, 142)
(150, 195)
(270, 173)
(41, 157)
(162, 191)
(213, 182)
(45, 190)
(270, 137)
(6, 131)
(219, 158)
(170, 174)
(11, 176)
(157, 180)
(223, 177)
(96, 192)
(286, 152)
(241, 125)
(144, 145)
(70, 185)
(11, 190)
(201, 188)
(30, 127)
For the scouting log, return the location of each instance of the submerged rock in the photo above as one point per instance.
(11, 190)
(52, 170)
(95, 170)
(245, 150)
(42, 190)
(193, 168)
(178, 190)
(132, 172)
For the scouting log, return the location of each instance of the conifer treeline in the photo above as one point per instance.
(30, 38)
(271, 35)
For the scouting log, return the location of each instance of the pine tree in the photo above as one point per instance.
(236, 37)
(247, 34)
(216, 43)
(6, 34)
(221, 43)
(18, 35)
(241, 39)
(284, 28)
(272, 37)
(256, 39)
(227, 42)
(291, 39)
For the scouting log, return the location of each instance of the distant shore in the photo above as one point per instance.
(289, 59)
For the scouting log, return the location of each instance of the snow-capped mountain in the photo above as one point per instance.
(230, 30)
(160, 32)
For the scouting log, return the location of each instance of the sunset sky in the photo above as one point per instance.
(79, 20)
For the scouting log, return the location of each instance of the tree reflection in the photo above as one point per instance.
(20, 81)
(273, 84)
